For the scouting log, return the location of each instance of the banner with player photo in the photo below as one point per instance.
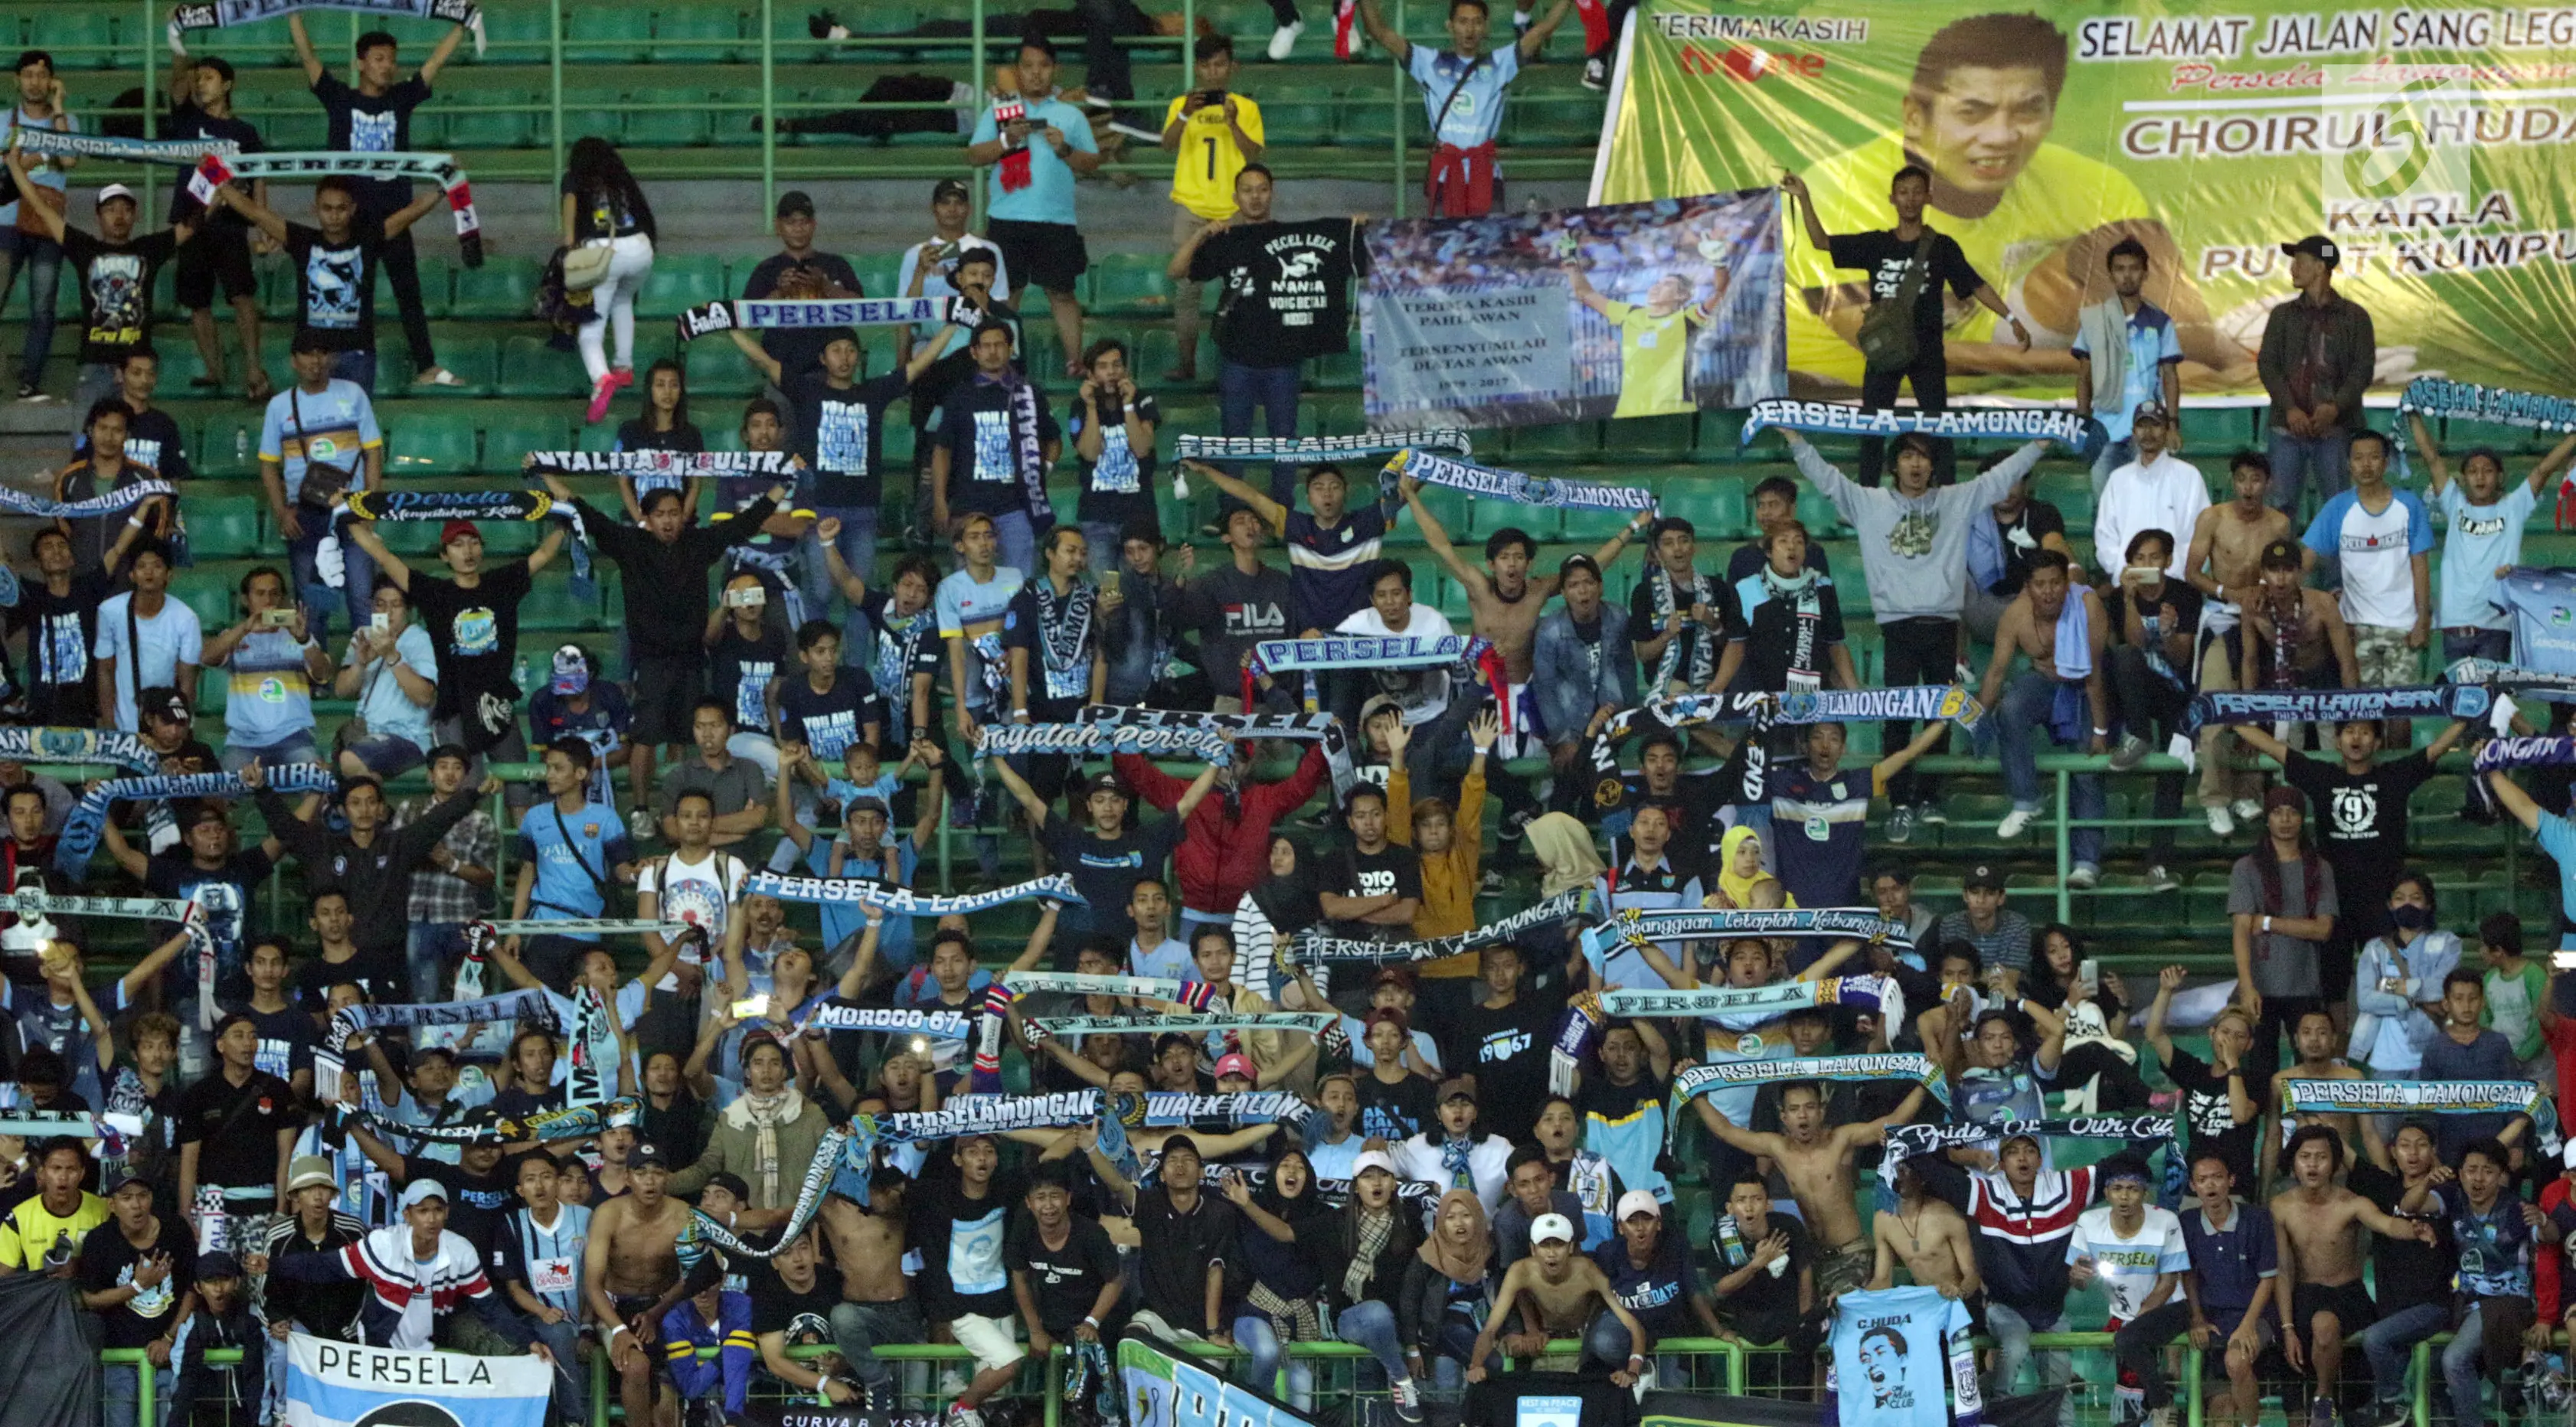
(2428, 143)
(1635, 309)
(1160, 1385)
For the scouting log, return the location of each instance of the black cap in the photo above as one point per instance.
(950, 188)
(795, 203)
(162, 701)
(485, 1122)
(1106, 783)
(1983, 877)
(647, 1153)
(2317, 246)
(218, 1265)
(1578, 562)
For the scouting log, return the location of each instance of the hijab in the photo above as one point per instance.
(1739, 890)
(1292, 903)
(1565, 854)
(1461, 1262)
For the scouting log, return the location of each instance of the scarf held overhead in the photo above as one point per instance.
(81, 830)
(2431, 1097)
(1321, 729)
(1867, 993)
(778, 464)
(1516, 487)
(1700, 1080)
(223, 14)
(529, 1005)
(78, 745)
(1315, 945)
(216, 170)
(770, 313)
(2334, 705)
(1906, 1141)
(900, 901)
(122, 498)
(1320, 450)
(2486, 405)
(1634, 925)
(1837, 419)
(1311, 1023)
(442, 506)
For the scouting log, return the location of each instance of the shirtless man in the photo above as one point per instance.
(2320, 1261)
(1561, 1285)
(1817, 1162)
(630, 1273)
(2224, 564)
(1930, 1237)
(2318, 1045)
(876, 1299)
(2308, 621)
(1502, 597)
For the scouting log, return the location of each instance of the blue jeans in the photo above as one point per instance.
(2115, 454)
(1017, 541)
(432, 946)
(358, 367)
(2011, 1333)
(1371, 1325)
(1606, 1345)
(120, 1392)
(2390, 1346)
(356, 596)
(2021, 723)
(1106, 540)
(857, 543)
(2294, 457)
(41, 258)
(1253, 1334)
(572, 1383)
(1241, 387)
(293, 749)
(2496, 644)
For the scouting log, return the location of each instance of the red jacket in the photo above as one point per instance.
(1226, 850)
(2547, 1259)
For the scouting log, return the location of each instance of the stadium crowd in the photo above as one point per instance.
(1446, 1195)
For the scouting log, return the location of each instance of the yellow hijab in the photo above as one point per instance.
(1565, 854)
(1736, 889)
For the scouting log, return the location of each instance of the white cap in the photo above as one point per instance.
(1639, 1201)
(1548, 1227)
(114, 191)
(420, 1189)
(1373, 1159)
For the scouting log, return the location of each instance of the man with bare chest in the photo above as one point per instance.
(2063, 630)
(2225, 565)
(2295, 637)
(1928, 1236)
(631, 1273)
(876, 1300)
(2321, 1261)
(1558, 1293)
(1817, 1161)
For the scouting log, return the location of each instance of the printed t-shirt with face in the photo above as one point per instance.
(960, 1242)
(476, 634)
(372, 124)
(2495, 1246)
(974, 611)
(1420, 695)
(2375, 555)
(1287, 288)
(2213, 1127)
(830, 721)
(153, 440)
(2482, 540)
(1887, 258)
(2130, 1264)
(108, 1262)
(116, 289)
(186, 121)
(840, 431)
(60, 1028)
(561, 845)
(804, 1316)
(603, 726)
(286, 1038)
(225, 893)
(1065, 1282)
(1397, 1112)
(1106, 870)
(1475, 115)
(333, 427)
(1119, 487)
(900, 647)
(982, 432)
(60, 628)
(336, 284)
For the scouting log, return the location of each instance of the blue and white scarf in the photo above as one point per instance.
(1320, 450)
(1700, 1080)
(833, 1015)
(901, 901)
(2487, 405)
(223, 14)
(1321, 729)
(1362, 651)
(995, 740)
(78, 745)
(81, 830)
(780, 313)
(2526, 753)
(442, 506)
(2333, 705)
(14, 502)
(1905, 1142)
(1835, 418)
(528, 1005)
(1637, 925)
(1075, 983)
(1310, 1023)
(1515, 487)
(777, 465)
(1314, 944)
(2400, 1097)
(1867, 993)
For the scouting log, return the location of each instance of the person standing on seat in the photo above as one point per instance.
(1462, 91)
(201, 107)
(335, 265)
(374, 117)
(603, 205)
(25, 245)
(2318, 352)
(800, 270)
(1214, 133)
(1035, 156)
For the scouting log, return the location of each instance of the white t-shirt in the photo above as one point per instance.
(1420, 693)
(2375, 553)
(938, 283)
(2129, 1266)
(170, 639)
(703, 894)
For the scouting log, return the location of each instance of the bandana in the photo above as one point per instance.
(2431, 1097)
(1064, 636)
(223, 14)
(1315, 945)
(1868, 993)
(1510, 486)
(14, 502)
(2082, 433)
(78, 745)
(443, 506)
(2333, 705)
(773, 312)
(81, 830)
(900, 901)
(1700, 1080)
(216, 170)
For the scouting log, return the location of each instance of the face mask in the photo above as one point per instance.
(2411, 917)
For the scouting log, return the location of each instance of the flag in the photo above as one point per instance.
(332, 1384)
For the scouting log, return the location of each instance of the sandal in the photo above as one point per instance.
(438, 376)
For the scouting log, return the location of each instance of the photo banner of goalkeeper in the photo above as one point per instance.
(1633, 309)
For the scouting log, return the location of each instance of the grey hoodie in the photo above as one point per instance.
(1914, 552)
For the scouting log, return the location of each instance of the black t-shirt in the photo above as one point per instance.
(1644, 624)
(599, 214)
(383, 977)
(1065, 1282)
(116, 289)
(960, 1240)
(1885, 257)
(904, 646)
(1507, 1052)
(799, 350)
(335, 284)
(1055, 694)
(806, 1318)
(1106, 870)
(62, 629)
(828, 722)
(2360, 820)
(1396, 1112)
(2186, 603)
(152, 439)
(2408, 1273)
(235, 1128)
(476, 635)
(982, 432)
(286, 1038)
(2205, 1110)
(740, 671)
(186, 121)
(1778, 635)
(634, 435)
(225, 892)
(1119, 487)
(2036, 521)
(1391, 870)
(1178, 1248)
(1287, 289)
(377, 124)
(477, 1204)
(107, 1261)
(1766, 1297)
(1750, 557)
(840, 431)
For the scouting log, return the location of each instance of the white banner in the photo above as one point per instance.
(332, 1384)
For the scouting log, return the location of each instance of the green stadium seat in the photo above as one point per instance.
(1538, 119)
(1714, 506)
(680, 281)
(432, 442)
(529, 367)
(602, 437)
(594, 111)
(1823, 522)
(552, 605)
(682, 122)
(79, 36)
(697, 34)
(475, 361)
(1299, 117)
(499, 118)
(180, 363)
(1665, 439)
(501, 287)
(519, 34)
(1587, 528)
(298, 127)
(599, 35)
(1457, 513)
(1557, 441)
(1157, 350)
(226, 528)
(1130, 283)
(879, 274)
(720, 372)
(229, 448)
(1367, 119)
(511, 435)
(206, 590)
(2072, 493)
(1340, 370)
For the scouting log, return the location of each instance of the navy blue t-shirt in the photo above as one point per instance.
(840, 431)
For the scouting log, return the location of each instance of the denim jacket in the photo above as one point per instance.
(1560, 676)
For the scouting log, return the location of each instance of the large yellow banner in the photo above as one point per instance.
(2437, 147)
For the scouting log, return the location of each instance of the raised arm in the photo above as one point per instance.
(1271, 512)
(1387, 37)
(2515, 800)
(1437, 537)
(1536, 39)
(439, 57)
(304, 55)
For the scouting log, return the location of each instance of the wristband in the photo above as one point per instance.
(2267, 925)
(613, 1332)
(1090, 1321)
(2101, 733)
(134, 522)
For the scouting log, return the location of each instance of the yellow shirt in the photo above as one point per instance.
(1449, 879)
(29, 1233)
(1654, 359)
(2060, 196)
(1203, 178)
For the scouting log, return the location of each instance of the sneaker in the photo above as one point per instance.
(1520, 23)
(601, 393)
(2131, 752)
(1491, 884)
(28, 393)
(2321, 1413)
(2163, 1099)
(1930, 815)
(623, 376)
(1406, 1399)
(2222, 823)
(961, 1415)
(2159, 880)
(2084, 876)
(1283, 41)
(878, 1396)
(2247, 810)
(640, 825)
(2016, 823)
(1900, 824)
(1596, 74)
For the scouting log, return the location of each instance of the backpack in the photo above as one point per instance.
(1886, 335)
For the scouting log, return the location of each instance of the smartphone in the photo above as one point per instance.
(1206, 97)
(748, 597)
(756, 1006)
(380, 622)
(1109, 582)
(276, 618)
(2141, 574)
(2089, 972)
(2563, 960)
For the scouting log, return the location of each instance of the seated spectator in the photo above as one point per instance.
(392, 671)
(2063, 630)
(2155, 633)
(577, 703)
(1999, 935)
(273, 662)
(1453, 1152)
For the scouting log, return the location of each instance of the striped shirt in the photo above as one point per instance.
(270, 697)
(440, 896)
(1328, 567)
(2021, 1242)
(334, 426)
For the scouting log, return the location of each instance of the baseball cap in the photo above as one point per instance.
(2317, 246)
(2285, 796)
(572, 670)
(1983, 877)
(114, 191)
(1373, 1159)
(1457, 1087)
(1237, 1064)
(311, 1171)
(162, 701)
(458, 530)
(1105, 783)
(2153, 411)
(1639, 1201)
(485, 1122)
(129, 1175)
(218, 1264)
(1576, 562)
(795, 202)
(647, 1153)
(944, 189)
(413, 1193)
(2279, 555)
(1547, 1228)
